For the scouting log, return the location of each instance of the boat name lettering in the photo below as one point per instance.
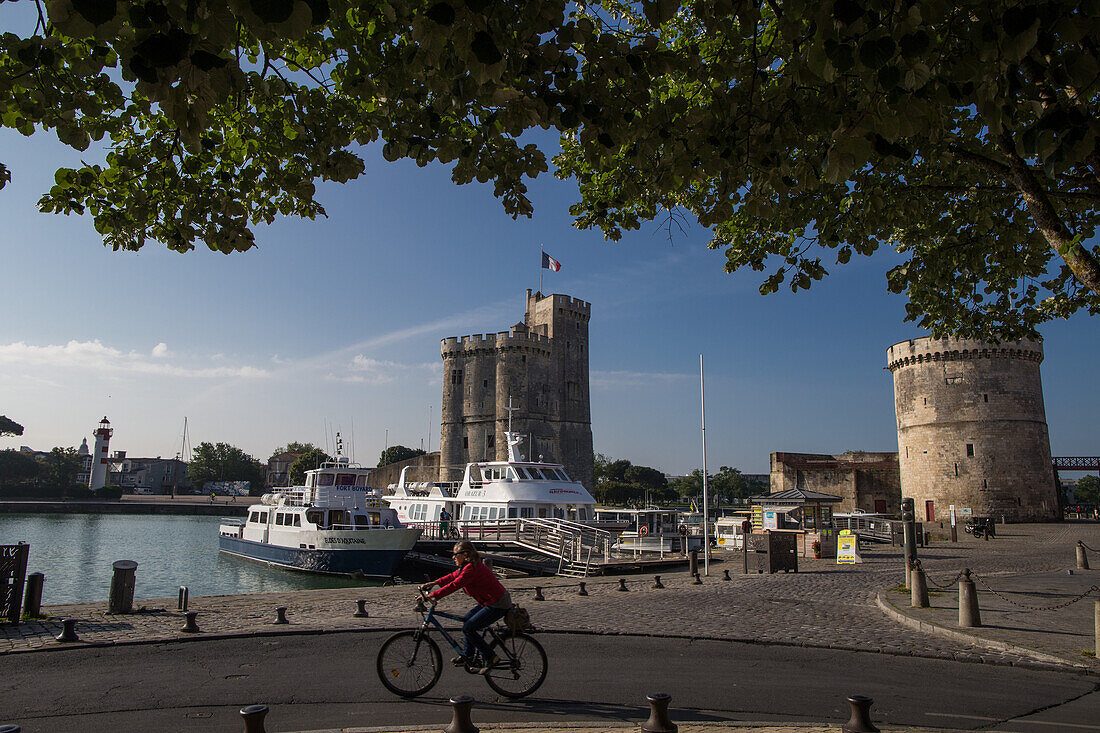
(563, 491)
(345, 540)
(476, 492)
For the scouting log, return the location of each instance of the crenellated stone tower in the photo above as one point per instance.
(972, 428)
(541, 364)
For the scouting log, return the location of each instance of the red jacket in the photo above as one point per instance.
(476, 579)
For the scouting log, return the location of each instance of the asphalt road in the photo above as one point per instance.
(327, 681)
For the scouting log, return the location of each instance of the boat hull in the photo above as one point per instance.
(370, 562)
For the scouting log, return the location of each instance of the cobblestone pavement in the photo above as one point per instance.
(605, 728)
(822, 605)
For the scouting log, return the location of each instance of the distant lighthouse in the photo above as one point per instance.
(98, 476)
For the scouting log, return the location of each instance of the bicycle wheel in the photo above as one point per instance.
(522, 666)
(409, 663)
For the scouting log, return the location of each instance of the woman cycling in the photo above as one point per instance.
(480, 583)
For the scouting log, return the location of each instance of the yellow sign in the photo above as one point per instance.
(847, 547)
(757, 517)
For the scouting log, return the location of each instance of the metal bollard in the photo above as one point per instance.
(1082, 558)
(184, 597)
(969, 615)
(698, 580)
(460, 717)
(622, 585)
(693, 562)
(32, 598)
(726, 575)
(657, 584)
(582, 591)
(860, 720)
(68, 631)
(362, 612)
(254, 718)
(280, 615)
(658, 714)
(121, 599)
(918, 591)
(191, 627)
(538, 593)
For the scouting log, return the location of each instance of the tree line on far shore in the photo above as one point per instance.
(620, 482)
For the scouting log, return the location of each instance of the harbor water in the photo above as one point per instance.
(75, 552)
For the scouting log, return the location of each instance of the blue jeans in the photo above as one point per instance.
(477, 619)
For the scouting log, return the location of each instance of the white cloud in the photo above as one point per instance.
(96, 357)
(609, 380)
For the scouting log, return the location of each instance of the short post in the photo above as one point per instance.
(745, 552)
(68, 631)
(181, 602)
(538, 593)
(693, 562)
(32, 598)
(191, 626)
(969, 615)
(1096, 626)
(1082, 558)
(657, 584)
(658, 714)
(362, 612)
(280, 615)
(622, 585)
(726, 575)
(860, 720)
(918, 591)
(697, 580)
(582, 591)
(909, 534)
(460, 716)
(253, 716)
(121, 599)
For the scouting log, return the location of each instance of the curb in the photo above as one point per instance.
(1045, 661)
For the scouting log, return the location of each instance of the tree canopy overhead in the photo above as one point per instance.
(963, 134)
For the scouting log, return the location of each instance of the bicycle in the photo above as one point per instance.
(410, 663)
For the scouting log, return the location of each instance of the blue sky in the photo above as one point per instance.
(336, 324)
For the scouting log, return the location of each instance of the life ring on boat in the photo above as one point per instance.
(643, 531)
(683, 529)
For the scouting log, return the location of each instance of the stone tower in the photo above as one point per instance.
(541, 364)
(972, 429)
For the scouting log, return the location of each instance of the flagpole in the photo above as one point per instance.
(703, 419)
(541, 268)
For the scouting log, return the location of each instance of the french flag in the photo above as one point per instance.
(549, 263)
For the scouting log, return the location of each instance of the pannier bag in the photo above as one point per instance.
(517, 619)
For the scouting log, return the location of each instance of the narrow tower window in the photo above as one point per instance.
(969, 449)
(956, 470)
(985, 398)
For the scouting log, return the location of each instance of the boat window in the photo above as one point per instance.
(263, 517)
(314, 516)
(345, 479)
(297, 520)
(559, 512)
(325, 479)
(535, 473)
(279, 518)
(361, 521)
(361, 479)
(465, 512)
(522, 472)
(526, 512)
(375, 518)
(542, 512)
(254, 517)
(338, 516)
(512, 512)
(564, 475)
(582, 513)
(494, 513)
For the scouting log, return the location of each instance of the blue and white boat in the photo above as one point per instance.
(336, 524)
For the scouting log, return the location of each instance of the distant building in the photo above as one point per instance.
(278, 469)
(867, 481)
(156, 475)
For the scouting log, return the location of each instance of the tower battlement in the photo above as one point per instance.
(513, 338)
(917, 351)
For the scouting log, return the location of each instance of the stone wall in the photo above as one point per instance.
(866, 481)
(972, 428)
(540, 365)
(383, 476)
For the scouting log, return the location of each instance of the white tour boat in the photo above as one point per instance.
(494, 491)
(652, 530)
(335, 524)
